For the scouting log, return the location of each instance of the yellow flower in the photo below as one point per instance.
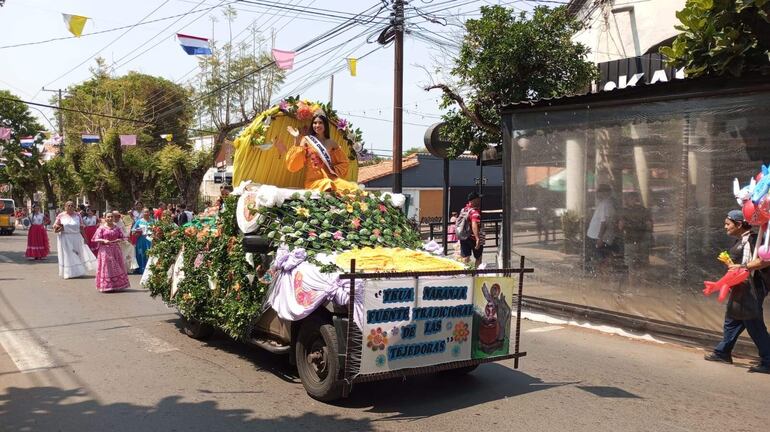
(349, 208)
(364, 206)
(302, 211)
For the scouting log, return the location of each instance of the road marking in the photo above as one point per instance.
(5, 259)
(149, 342)
(25, 351)
(544, 329)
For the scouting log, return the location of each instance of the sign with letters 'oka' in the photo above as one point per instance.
(411, 323)
(635, 71)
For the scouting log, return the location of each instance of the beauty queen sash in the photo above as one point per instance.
(321, 150)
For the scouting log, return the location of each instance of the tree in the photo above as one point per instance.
(236, 83)
(507, 58)
(721, 36)
(133, 104)
(23, 166)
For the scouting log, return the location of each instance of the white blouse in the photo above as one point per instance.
(37, 219)
(90, 221)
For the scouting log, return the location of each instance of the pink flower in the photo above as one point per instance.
(342, 124)
(356, 223)
(383, 208)
(337, 235)
(376, 232)
(283, 105)
(312, 234)
(198, 260)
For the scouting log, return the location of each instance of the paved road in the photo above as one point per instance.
(72, 359)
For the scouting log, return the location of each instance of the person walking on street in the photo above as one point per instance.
(744, 307)
(468, 230)
(91, 223)
(141, 229)
(111, 274)
(37, 238)
(75, 258)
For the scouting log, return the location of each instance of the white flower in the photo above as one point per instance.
(249, 258)
(241, 187)
(398, 200)
(358, 147)
(325, 259)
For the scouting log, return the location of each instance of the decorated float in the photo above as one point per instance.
(302, 261)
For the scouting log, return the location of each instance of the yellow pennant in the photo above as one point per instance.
(75, 23)
(167, 137)
(352, 66)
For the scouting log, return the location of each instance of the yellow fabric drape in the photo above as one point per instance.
(269, 166)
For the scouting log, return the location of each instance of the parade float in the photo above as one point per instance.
(278, 266)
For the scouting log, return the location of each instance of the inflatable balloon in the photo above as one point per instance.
(743, 195)
(730, 279)
(760, 190)
(761, 212)
(764, 250)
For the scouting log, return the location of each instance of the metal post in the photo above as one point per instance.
(445, 209)
(331, 91)
(518, 312)
(349, 335)
(398, 93)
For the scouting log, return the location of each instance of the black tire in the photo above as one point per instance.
(318, 363)
(465, 370)
(196, 329)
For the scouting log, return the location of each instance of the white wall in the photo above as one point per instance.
(622, 34)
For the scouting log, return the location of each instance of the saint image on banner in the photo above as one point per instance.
(491, 317)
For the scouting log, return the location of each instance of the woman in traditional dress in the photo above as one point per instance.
(324, 161)
(111, 274)
(135, 214)
(91, 223)
(37, 238)
(128, 250)
(75, 258)
(141, 229)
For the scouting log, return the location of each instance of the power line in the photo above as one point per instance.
(91, 113)
(103, 31)
(106, 46)
(305, 46)
(116, 64)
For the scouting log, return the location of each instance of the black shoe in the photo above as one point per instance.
(718, 358)
(760, 368)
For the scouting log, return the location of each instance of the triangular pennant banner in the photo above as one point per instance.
(128, 140)
(284, 59)
(75, 23)
(352, 66)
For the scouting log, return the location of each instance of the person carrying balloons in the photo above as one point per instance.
(744, 307)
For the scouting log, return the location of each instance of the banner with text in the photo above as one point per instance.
(412, 323)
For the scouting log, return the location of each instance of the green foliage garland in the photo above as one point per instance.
(220, 287)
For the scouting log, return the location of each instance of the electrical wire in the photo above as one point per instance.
(106, 46)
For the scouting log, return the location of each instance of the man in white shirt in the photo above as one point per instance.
(601, 229)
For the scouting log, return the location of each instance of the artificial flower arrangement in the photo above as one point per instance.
(303, 110)
(202, 269)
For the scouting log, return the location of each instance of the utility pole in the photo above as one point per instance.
(398, 92)
(331, 91)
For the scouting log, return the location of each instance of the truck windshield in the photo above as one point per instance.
(6, 206)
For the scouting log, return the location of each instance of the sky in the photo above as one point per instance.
(366, 100)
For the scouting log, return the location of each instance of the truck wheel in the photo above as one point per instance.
(317, 362)
(196, 329)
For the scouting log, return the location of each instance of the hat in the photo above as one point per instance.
(473, 195)
(736, 216)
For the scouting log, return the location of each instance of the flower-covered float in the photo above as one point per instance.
(273, 268)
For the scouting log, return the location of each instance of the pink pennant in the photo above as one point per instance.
(5, 133)
(284, 59)
(128, 140)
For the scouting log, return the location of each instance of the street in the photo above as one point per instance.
(73, 359)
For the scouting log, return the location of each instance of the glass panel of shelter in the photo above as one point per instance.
(660, 177)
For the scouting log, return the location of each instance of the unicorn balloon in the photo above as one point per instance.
(762, 186)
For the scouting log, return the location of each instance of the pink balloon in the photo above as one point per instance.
(764, 253)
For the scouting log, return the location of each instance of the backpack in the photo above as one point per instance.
(463, 225)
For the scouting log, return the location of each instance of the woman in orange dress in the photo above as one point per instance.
(325, 163)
